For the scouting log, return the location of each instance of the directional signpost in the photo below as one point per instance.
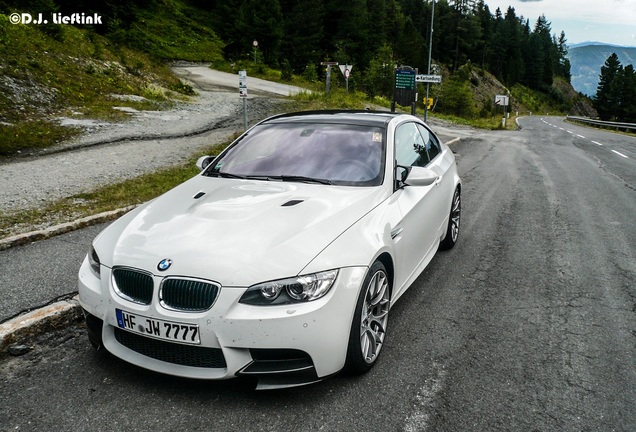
(435, 79)
(502, 100)
(328, 64)
(404, 92)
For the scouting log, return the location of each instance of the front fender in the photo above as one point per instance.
(363, 242)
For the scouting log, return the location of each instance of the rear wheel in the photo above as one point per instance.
(452, 232)
(370, 319)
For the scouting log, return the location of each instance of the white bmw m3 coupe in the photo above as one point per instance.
(282, 258)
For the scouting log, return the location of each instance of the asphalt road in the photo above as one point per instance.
(529, 323)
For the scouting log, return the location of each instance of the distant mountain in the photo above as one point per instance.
(586, 60)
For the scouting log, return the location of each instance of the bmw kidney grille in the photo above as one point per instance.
(182, 294)
(187, 294)
(133, 285)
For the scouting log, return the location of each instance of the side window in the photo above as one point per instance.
(433, 147)
(410, 148)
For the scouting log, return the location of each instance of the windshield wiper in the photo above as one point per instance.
(301, 179)
(285, 178)
(227, 175)
(239, 176)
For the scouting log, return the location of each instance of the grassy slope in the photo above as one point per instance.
(66, 71)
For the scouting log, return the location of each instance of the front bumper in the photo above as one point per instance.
(297, 342)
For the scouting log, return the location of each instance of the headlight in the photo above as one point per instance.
(292, 290)
(93, 260)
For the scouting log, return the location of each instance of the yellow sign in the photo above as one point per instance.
(429, 103)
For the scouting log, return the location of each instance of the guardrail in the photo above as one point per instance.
(627, 127)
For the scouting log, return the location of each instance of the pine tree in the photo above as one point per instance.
(607, 95)
(261, 20)
(625, 88)
(563, 68)
(304, 31)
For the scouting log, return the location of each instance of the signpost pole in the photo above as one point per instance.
(244, 113)
(328, 83)
(430, 52)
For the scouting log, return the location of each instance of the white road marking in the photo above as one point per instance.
(621, 154)
(570, 132)
(580, 136)
(597, 143)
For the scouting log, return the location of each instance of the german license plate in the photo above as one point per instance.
(158, 329)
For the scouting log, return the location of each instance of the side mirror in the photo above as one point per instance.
(420, 176)
(204, 161)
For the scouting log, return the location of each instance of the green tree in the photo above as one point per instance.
(535, 62)
(514, 66)
(484, 45)
(304, 32)
(625, 88)
(347, 28)
(563, 67)
(261, 20)
(457, 97)
(607, 93)
(378, 80)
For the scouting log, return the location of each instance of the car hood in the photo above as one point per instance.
(237, 232)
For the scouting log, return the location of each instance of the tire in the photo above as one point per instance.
(452, 232)
(368, 329)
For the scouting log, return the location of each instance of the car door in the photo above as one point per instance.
(440, 161)
(416, 236)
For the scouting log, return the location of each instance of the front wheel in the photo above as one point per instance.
(452, 232)
(370, 319)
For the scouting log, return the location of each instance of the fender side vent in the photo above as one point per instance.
(199, 195)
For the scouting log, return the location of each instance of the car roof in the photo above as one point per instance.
(369, 118)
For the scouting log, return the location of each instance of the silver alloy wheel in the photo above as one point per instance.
(374, 317)
(455, 216)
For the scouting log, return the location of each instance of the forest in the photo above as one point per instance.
(370, 34)
(373, 33)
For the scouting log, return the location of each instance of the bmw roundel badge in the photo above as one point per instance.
(164, 264)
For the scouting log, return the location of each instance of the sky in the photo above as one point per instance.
(609, 21)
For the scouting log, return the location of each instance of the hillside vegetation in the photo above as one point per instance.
(49, 73)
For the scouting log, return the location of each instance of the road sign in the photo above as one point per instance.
(346, 70)
(243, 93)
(502, 100)
(404, 79)
(242, 83)
(404, 92)
(428, 78)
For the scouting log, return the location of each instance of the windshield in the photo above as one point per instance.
(325, 153)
